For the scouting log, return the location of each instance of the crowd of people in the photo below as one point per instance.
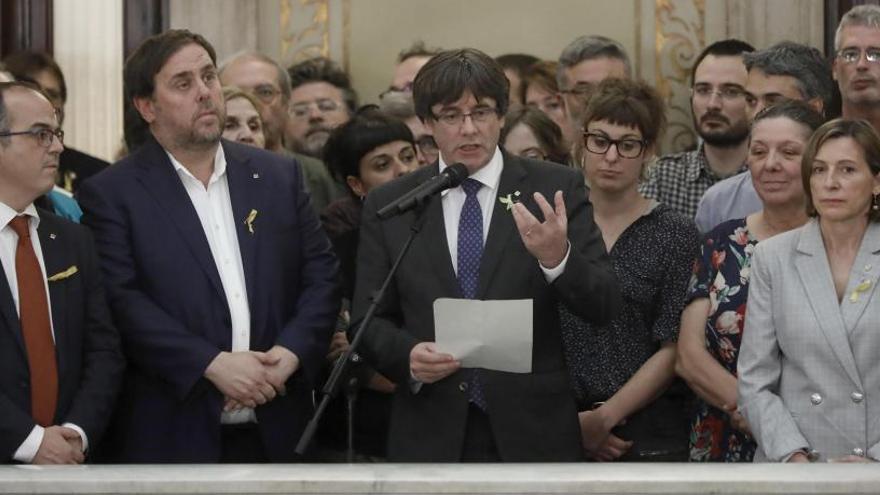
(707, 305)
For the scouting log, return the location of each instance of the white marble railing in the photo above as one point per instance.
(446, 479)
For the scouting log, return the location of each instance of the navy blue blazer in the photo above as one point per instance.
(168, 301)
(87, 349)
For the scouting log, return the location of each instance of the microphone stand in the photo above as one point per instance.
(331, 386)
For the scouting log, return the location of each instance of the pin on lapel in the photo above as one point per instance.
(52, 236)
(509, 200)
(862, 287)
(256, 176)
(65, 274)
(249, 221)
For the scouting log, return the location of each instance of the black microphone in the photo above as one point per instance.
(450, 177)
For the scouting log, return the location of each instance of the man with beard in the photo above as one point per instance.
(856, 65)
(321, 99)
(785, 71)
(720, 115)
(269, 84)
(218, 273)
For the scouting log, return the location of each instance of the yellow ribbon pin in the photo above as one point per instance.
(862, 287)
(65, 274)
(249, 221)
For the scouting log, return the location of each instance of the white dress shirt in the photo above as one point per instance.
(213, 205)
(453, 202)
(8, 245)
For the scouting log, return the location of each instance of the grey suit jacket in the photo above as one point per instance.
(809, 373)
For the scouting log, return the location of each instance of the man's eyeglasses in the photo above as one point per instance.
(406, 89)
(44, 135)
(266, 94)
(426, 144)
(580, 89)
(728, 93)
(600, 144)
(478, 115)
(853, 54)
(301, 110)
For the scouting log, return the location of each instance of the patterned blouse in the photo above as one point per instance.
(652, 259)
(722, 275)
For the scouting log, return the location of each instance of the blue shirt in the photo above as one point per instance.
(729, 199)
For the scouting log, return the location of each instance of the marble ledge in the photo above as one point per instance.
(445, 479)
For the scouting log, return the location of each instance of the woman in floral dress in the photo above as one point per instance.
(712, 322)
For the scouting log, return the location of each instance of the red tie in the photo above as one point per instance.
(35, 326)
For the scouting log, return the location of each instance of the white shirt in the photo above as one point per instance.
(453, 202)
(213, 206)
(8, 245)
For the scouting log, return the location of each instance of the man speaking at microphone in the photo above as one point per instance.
(515, 229)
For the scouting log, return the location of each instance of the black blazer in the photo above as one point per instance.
(87, 348)
(533, 415)
(167, 299)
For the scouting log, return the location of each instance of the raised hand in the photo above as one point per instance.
(547, 241)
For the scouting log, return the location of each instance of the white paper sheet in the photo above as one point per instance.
(495, 335)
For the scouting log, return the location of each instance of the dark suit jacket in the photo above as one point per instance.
(87, 348)
(75, 166)
(166, 296)
(533, 415)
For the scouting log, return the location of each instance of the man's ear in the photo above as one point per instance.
(144, 106)
(818, 105)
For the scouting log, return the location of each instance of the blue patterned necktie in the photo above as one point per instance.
(470, 239)
(470, 251)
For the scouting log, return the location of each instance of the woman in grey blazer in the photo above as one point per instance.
(809, 377)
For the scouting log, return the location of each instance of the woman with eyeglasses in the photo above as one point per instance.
(366, 152)
(529, 133)
(712, 323)
(623, 371)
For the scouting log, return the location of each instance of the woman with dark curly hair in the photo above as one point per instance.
(713, 320)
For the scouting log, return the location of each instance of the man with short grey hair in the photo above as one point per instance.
(400, 105)
(788, 70)
(585, 62)
(270, 85)
(856, 65)
(785, 71)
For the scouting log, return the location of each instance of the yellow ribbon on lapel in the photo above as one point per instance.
(862, 287)
(249, 221)
(65, 274)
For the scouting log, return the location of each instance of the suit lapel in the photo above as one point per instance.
(815, 275)
(863, 278)
(246, 193)
(502, 226)
(8, 312)
(161, 180)
(57, 259)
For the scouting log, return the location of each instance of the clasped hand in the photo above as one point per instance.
(547, 241)
(60, 445)
(597, 439)
(251, 378)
